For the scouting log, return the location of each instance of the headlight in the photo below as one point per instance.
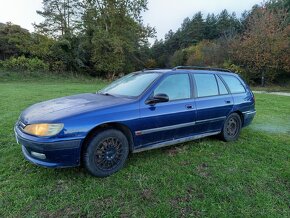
(43, 129)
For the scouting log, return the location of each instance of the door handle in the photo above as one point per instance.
(227, 102)
(189, 106)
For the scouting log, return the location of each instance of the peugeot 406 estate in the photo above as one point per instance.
(141, 111)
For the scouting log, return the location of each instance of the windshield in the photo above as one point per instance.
(131, 85)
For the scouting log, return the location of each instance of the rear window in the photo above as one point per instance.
(234, 84)
(206, 85)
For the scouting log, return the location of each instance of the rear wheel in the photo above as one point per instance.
(232, 127)
(106, 153)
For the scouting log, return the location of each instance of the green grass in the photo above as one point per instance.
(52, 77)
(272, 88)
(208, 177)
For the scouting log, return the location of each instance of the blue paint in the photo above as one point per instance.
(81, 113)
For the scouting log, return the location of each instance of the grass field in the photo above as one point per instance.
(250, 177)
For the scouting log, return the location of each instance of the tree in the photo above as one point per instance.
(207, 53)
(158, 53)
(103, 36)
(264, 46)
(211, 31)
(115, 34)
(61, 17)
(41, 46)
(191, 33)
(14, 41)
(62, 21)
(227, 24)
(178, 58)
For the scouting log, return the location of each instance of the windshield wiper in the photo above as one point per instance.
(105, 93)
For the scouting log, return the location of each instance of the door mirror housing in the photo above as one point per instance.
(158, 98)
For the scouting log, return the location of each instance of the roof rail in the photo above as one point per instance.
(200, 68)
(144, 69)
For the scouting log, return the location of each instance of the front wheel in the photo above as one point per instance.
(106, 153)
(232, 128)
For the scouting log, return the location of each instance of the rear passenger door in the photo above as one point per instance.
(213, 102)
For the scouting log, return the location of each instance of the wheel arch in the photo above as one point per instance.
(113, 125)
(241, 116)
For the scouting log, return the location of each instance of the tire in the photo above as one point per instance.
(106, 153)
(232, 128)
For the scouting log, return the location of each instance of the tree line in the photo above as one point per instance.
(108, 38)
(98, 37)
(256, 45)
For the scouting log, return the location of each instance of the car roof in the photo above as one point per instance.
(174, 70)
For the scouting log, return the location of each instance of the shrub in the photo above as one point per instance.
(24, 64)
(239, 70)
(179, 58)
(57, 66)
(207, 53)
(150, 63)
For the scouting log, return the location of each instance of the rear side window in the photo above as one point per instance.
(206, 85)
(223, 89)
(176, 86)
(234, 84)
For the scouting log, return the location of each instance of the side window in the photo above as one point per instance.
(206, 85)
(222, 88)
(176, 86)
(233, 83)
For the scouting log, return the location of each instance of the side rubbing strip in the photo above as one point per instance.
(211, 120)
(159, 129)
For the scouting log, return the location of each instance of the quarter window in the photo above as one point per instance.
(233, 83)
(176, 86)
(206, 85)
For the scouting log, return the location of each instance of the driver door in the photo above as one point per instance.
(168, 120)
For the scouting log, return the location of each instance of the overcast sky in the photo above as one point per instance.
(162, 14)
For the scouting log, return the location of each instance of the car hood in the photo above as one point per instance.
(56, 109)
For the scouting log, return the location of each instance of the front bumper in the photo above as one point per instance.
(62, 153)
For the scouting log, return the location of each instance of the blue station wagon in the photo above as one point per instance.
(141, 111)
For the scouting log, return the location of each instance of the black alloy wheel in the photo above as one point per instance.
(106, 153)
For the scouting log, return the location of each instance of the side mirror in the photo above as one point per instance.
(158, 98)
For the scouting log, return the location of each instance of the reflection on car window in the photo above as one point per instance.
(234, 84)
(176, 86)
(223, 89)
(131, 85)
(206, 85)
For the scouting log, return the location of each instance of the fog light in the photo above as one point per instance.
(38, 155)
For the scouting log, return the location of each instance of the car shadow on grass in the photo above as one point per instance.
(135, 160)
